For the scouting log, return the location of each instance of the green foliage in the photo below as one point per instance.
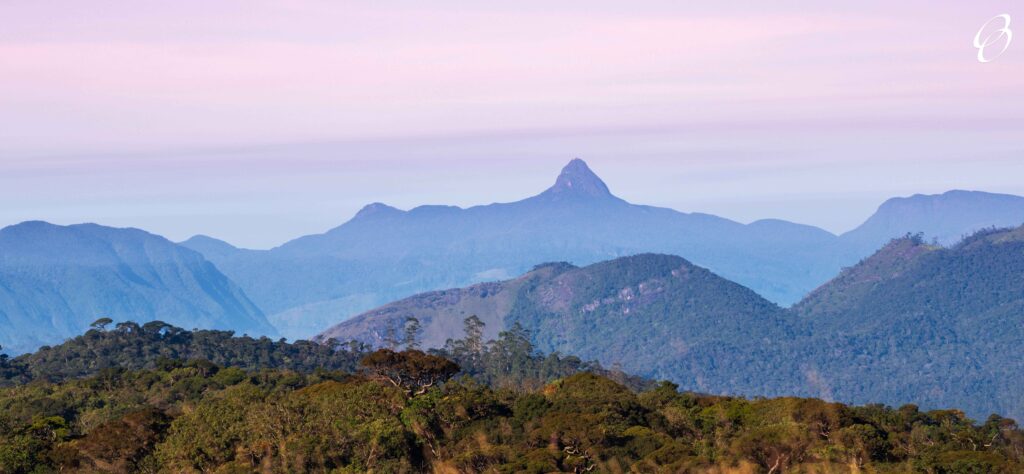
(198, 417)
(411, 370)
(512, 410)
(101, 323)
(130, 346)
(511, 361)
(914, 322)
(206, 436)
(120, 445)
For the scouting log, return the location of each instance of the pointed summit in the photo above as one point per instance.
(576, 179)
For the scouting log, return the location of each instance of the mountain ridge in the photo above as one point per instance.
(384, 253)
(55, 280)
(664, 300)
(913, 322)
(947, 217)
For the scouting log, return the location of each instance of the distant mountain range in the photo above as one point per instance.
(912, 323)
(923, 319)
(384, 253)
(945, 218)
(56, 280)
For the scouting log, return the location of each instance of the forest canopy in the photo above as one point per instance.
(475, 406)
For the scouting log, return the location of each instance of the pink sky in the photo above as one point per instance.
(180, 116)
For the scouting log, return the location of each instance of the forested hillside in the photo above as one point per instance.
(414, 412)
(655, 315)
(942, 326)
(509, 359)
(915, 322)
(130, 346)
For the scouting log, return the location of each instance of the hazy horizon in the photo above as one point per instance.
(256, 123)
(860, 207)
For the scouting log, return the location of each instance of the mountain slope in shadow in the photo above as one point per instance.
(56, 280)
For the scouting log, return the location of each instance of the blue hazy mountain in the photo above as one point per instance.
(56, 280)
(912, 323)
(384, 253)
(946, 218)
(916, 321)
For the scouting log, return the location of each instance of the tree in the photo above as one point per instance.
(474, 329)
(158, 328)
(101, 324)
(774, 447)
(127, 327)
(119, 445)
(823, 418)
(205, 438)
(134, 347)
(391, 336)
(412, 370)
(412, 333)
(512, 349)
(862, 442)
(470, 351)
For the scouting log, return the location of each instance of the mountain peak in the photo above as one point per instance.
(577, 179)
(209, 246)
(377, 209)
